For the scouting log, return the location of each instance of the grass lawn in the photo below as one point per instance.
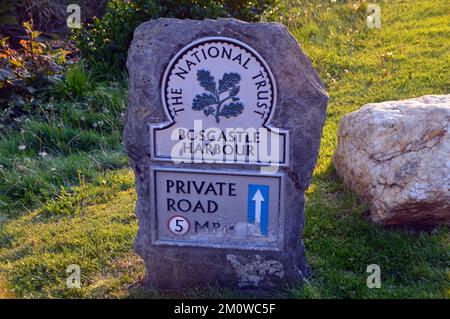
(75, 203)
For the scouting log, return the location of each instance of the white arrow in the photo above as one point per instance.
(258, 198)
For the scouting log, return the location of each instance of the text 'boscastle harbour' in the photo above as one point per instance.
(226, 145)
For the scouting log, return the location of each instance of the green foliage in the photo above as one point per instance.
(24, 71)
(104, 43)
(75, 84)
(59, 142)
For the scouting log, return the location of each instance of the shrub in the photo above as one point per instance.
(75, 84)
(26, 70)
(105, 41)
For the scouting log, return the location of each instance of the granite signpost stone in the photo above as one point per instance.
(223, 131)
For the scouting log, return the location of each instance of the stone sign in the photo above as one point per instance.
(223, 131)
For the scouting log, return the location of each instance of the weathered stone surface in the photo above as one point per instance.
(301, 109)
(396, 155)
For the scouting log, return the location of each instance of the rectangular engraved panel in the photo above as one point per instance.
(224, 209)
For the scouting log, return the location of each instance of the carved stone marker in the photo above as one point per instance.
(223, 130)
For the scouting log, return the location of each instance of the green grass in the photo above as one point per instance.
(408, 57)
(93, 224)
(76, 83)
(60, 142)
(95, 230)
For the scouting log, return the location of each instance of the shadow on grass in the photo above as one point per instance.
(340, 244)
(141, 291)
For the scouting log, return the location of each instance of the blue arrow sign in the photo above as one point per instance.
(258, 206)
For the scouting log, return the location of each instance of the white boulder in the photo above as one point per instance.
(396, 156)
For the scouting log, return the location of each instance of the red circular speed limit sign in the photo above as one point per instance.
(178, 225)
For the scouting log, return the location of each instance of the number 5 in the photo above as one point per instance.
(179, 228)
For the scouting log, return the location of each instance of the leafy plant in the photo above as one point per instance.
(75, 83)
(212, 103)
(26, 70)
(104, 42)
